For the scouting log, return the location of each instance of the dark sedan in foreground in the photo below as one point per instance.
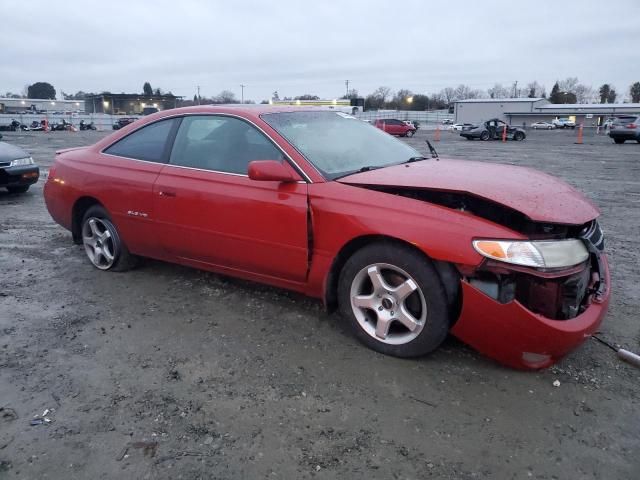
(492, 130)
(17, 170)
(408, 248)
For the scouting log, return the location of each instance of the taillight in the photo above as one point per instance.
(52, 172)
(632, 125)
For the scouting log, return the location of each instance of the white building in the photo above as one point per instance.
(33, 105)
(525, 111)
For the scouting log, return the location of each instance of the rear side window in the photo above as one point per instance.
(624, 120)
(148, 143)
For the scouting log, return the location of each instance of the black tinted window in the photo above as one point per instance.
(148, 143)
(222, 144)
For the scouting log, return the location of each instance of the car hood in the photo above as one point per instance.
(10, 152)
(540, 197)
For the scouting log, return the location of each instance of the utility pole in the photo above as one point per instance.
(346, 82)
(515, 89)
(198, 94)
(242, 94)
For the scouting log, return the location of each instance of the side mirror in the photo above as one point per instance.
(271, 171)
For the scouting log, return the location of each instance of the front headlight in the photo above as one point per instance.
(538, 254)
(19, 162)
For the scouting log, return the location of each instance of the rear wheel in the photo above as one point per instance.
(518, 136)
(410, 133)
(20, 189)
(393, 300)
(484, 136)
(618, 140)
(102, 243)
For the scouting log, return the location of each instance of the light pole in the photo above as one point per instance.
(346, 82)
(242, 93)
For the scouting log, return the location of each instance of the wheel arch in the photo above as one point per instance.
(80, 207)
(448, 273)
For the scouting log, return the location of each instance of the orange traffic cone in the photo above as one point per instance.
(436, 137)
(580, 135)
(504, 134)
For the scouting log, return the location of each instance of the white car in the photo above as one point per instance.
(543, 125)
(563, 123)
(457, 127)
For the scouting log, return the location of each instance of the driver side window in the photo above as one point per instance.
(220, 143)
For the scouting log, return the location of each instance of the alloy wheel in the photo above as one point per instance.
(99, 243)
(388, 304)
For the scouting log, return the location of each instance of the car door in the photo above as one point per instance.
(210, 212)
(124, 182)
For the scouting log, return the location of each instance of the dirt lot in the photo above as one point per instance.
(168, 372)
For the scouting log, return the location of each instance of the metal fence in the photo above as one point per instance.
(432, 117)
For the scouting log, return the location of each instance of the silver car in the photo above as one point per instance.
(543, 125)
(625, 127)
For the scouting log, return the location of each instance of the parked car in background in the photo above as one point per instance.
(563, 122)
(447, 121)
(625, 127)
(123, 122)
(17, 169)
(413, 123)
(608, 122)
(457, 127)
(492, 130)
(543, 126)
(395, 127)
(408, 248)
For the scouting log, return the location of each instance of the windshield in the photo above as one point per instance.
(338, 144)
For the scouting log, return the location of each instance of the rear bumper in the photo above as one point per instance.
(626, 134)
(19, 176)
(519, 338)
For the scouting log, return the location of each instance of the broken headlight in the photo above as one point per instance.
(537, 254)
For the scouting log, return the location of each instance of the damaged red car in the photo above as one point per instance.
(408, 248)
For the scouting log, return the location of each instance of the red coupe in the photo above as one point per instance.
(408, 248)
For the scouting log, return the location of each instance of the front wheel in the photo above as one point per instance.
(102, 243)
(484, 136)
(410, 133)
(393, 300)
(518, 136)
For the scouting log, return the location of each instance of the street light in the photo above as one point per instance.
(409, 100)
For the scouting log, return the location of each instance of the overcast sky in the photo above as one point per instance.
(298, 47)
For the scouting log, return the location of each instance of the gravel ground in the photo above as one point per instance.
(169, 372)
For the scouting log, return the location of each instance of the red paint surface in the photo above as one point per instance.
(539, 196)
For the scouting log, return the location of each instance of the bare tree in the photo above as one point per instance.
(535, 90)
(464, 92)
(498, 91)
(382, 93)
(448, 95)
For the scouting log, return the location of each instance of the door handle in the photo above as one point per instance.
(165, 193)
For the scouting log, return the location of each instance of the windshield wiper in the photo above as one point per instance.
(415, 159)
(434, 154)
(368, 168)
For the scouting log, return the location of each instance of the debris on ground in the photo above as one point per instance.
(556, 383)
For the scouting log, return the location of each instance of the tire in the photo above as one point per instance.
(20, 189)
(518, 136)
(484, 136)
(618, 140)
(410, 133)
(102, 242)
(406, 281)
(549, 128)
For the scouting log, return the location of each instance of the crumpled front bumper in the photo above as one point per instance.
(520, 338)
